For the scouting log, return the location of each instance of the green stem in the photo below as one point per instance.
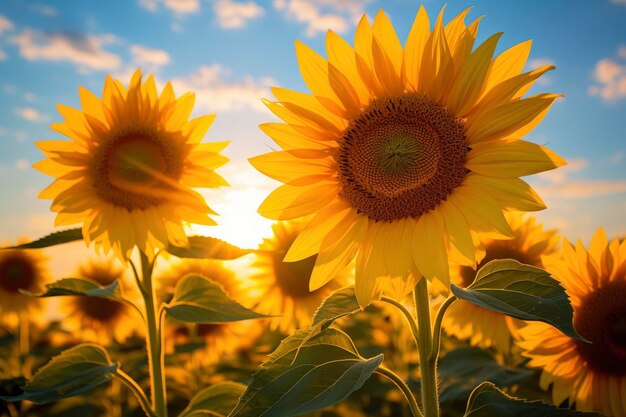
(156, 358)
(407, 314)
(125, 379)
(428, 362)
(415, 410)
(434, 354)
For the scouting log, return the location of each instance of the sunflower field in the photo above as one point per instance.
(376, 248)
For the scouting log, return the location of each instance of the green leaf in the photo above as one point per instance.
(488, 401)
(306, 373)
(340, 303)
(463, 369)
(521, 291)
(197, 299)
(217, 400)
(75, 371)
(204, 247)
(81, 287)
(52, 239)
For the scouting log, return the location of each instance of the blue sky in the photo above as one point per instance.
(231, 51)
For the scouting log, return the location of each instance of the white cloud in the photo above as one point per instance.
(559, 176)
(22, 164)
(215, 92)
(151, 5)
(321, 15)
(232, 14)
(617, 157)
(539, 62)
(619, 1)
(610, 77)
(45, 10)
(583, 189)
(5, 24)
(149, 57)
(30, 114)
(176, 27)
(85, 51)
(179, 7)
(29, 97)
(3, 55)
(182, 6)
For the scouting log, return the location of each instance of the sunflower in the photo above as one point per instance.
(100, 319)
(127, 172)
(591, 375)
(219, 338)
(481, 326)
(282, 288)
(20, 270)
(399, 151)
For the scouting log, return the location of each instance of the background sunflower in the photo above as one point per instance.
(21, 270)
(483, 327)
(590, 375)
(97, 319)
(127, 172)
(281, 288)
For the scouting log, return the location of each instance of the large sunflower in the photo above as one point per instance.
(100, 319)
(20, 270)
(399, 151)
(282, 288)
(591, 375)
(481, 326)
(219, 338)
(127, 172)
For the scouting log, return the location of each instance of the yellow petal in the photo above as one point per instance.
(414, 49)
(309, 240)
(429, 249)
(333, 259)
(314, 70)
(511, 193)
(287, 167)
(512, 160)
(513, 118)
(482, 213)
(512, 88)
(288, 202)
(508, 64)
(288, 138)
(469, 82)
(363, 38)
(458, 230)
(342, 56)
(387, 54)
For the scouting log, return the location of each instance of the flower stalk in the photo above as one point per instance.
(154, 340)
(428, 360)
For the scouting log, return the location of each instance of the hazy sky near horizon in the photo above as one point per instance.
(230, 52)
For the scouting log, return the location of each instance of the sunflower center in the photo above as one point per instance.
(100, 309)
(601, 319)
(293, 277)
(401, 157)
(137, 168)
(17, 272)
(498, 249)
